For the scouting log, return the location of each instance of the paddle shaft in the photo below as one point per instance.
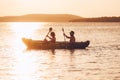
(50, 29)
(47, 34)
(64, 33)
(64, 37)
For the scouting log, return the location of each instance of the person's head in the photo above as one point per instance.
(52, 34)
(72, 33)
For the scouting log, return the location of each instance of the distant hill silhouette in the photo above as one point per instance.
(40, 18)
(56, 18)
(99, 19)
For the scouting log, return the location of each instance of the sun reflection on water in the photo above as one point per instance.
(24, 29)
(25, 67)
(25, 63)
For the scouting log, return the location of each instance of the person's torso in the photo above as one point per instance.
(72, 39)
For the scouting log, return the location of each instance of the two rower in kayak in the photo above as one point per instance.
(53, 38)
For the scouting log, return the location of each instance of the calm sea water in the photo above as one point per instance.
(100, 61)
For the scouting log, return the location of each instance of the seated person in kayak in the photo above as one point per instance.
(52, 37)
(71, 37)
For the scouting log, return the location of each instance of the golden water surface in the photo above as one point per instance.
(100, 61)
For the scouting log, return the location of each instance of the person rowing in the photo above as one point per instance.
(71, 37)
(52, 37)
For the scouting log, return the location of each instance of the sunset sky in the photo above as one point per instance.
(84, 8)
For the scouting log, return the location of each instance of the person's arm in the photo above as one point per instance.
(66, 35)
(49, 37)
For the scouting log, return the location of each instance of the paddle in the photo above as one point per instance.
(64, 33)
(50, 29)
(64, 37)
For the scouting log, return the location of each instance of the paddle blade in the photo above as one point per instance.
(63, 29)
(50, 29)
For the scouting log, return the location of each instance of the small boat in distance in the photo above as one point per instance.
(38, 44)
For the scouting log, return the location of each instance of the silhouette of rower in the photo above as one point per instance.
(71, 37)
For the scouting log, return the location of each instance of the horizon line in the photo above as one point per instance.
(55, 14)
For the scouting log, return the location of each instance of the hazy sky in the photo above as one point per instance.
(84, 8)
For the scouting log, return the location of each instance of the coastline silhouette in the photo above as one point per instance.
(56, 18)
